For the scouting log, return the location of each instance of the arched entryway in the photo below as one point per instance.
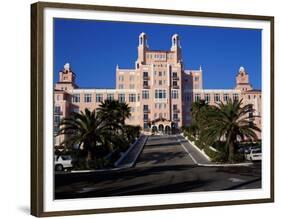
(154, 129)
(167, 129)
(161, 128)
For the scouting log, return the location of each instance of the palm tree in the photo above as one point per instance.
(231, 121)
(84, 129)
(125, 111)
(197, 108)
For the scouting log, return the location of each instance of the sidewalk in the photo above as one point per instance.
(130, 157)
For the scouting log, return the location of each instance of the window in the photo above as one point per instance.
(175, 83)
(249, 97)
(132, 86)
(145, 83)
(207, 98)
(175, 106)
(121, 86)
(75, 110)
(99, 98)
(145, 107)
(175, 116)
(132, 78)
(145, 117)
(160, 82)
(56, 119)
(175, 74)
(132, 97)
(145, 125)
(145, 74)
(76, 98)
(235, 97)
(87, 98)
(160, 73)
(175, 94)
(217, 97)
(57, 110)
(145, 94)
(160, 94)
(159, 105)
(110, 96)
(155, 115)
(187, 97)
(197, 97)
(58, 97)
(121, 98)
(121, 77)
(196, 78)
(225, 97)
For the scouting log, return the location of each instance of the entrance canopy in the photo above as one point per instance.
(161, 125)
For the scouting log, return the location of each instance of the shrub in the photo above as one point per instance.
(215, 156)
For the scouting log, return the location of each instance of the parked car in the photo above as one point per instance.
(253, 154)
(63, 162)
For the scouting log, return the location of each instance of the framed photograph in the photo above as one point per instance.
(139, 109)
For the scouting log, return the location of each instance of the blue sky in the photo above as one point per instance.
(94, 48)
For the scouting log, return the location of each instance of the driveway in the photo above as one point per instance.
(167, 164)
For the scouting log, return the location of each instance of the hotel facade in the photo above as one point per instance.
(159, 90)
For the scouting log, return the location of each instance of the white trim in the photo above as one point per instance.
(146, 200)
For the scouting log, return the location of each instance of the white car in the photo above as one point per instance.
(63, 162)
(254, 154)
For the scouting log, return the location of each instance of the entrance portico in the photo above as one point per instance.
(161, 125)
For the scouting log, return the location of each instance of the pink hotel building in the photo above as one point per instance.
(159, 90)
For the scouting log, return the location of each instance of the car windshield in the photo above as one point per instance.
(66, 157)
(257, 151)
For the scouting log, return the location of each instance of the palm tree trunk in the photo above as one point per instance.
(231, 151)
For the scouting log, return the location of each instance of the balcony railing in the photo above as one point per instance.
(176, 87)
(146, 119)
(176, 78)
(176, 119)
(146, 87)
(146, 110)
(176, 110)
(145, 77)
(58, 113)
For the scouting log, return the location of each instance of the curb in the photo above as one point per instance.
(126, 153)
(201, 151)
(137, 155)
(115, 168)
(226, 165)
(215, 164)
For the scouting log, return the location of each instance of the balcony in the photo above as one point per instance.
(176, 87)
(146, 119)
(146, 86)
(58, 113)
(176, 78)
(145, 77)
(176, 119)
(176, 110)
(146, 110)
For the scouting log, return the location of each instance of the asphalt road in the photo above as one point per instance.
(167, 164)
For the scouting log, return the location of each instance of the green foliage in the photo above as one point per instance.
(97, 137)
(229, 121)
(214, 155)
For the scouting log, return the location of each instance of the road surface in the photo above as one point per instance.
(167, 164)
